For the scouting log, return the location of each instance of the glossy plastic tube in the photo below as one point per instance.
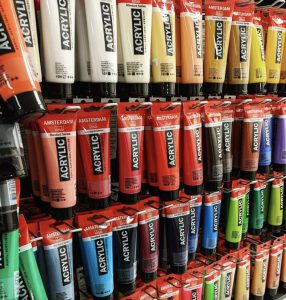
(267, 194)
(178, 49)
(242, 279)
(102, 35)
(163, 250)
(210, 222)
(227, 280)
(194, 285)
(80, 177)
(237, 129)
(282, 82)
(225, 202)
(246, 212)
(283, 266)
(212, 284)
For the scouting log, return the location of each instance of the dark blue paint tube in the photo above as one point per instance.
(163, 251)
(210, 223)
(57, 242)
(97, 250)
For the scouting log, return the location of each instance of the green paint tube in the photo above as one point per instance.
(212, 283)
(225, 208)
(266, 200)
(245, 212)
(284, 205)
(9, 265)
(275, 210)
(28, 265)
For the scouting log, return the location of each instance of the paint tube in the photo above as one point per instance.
(213, 149)
(212, 283)
(225, 202)
(125, 229)
(267, 193)
(192, 154)
(177, 228)
(12, 160)
(257, 71)
(166, 130)
(93, 130)
(28, 265)
(251, 135)
(282, 82)
(59, 258)
(25, 10)
(80, 177)
(130, 120)
(283, 266)
(193, 284)
(20, 91)
(58, 29)
(97, 248)
(275, 210)
(239, 49)
(102, 35)
(9, 191)
(163, 49)
(257, 201)
(235, 216)
(266, 142)
(274, 50)
(191, 47)
(246, 211)
(144, 180)
(227, 277)
(178, 89)
(148, 233)
(210, 222)
(9, 265)
(58, 136)
(195, 216)
(135, 29)
(166, 288)
(163, 249)
(218, 16)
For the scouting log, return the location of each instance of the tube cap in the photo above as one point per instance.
(263, 169)
(274, 229)
(249, 175)
(104, 89)
(208, 252)
(137, 89)
(192, 90)
(63, 213)
(227, 177)
(178, 89)
(178, 269)
(83, 198)
(237, 89)
(121, 90)
(169, 195)
(254, 297)
(82, 89)
(98, 203)
(192, 256)
(22, 105)
(55, 90)
(8, 221)
(257, 88)
(213, 89)
(128, 198)
(283, 285)
(254, 231)
(213, 186)
(282, 90)
(13, 166)
(271, 292)
(243, 236)
(164, 89)
(147, 277)
(235, 173)
(45, 206)
(272, 88)
(277, 167)
(232, 246)
(153, 190)
(103, 298)
(193, 189)
(144, 188)
(127, 288)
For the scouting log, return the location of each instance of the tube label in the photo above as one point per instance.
(64, 21)
(96, 155)
(279, 47)
(195, 215)
(6, 45)
(168, 34)
(107, 26)
(219, 39)
(138, 31)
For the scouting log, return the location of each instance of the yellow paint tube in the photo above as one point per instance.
(282, 82)
(178, 49)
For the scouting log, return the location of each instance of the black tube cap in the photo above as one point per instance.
(235, 172)
(104, 89)
(263, 169)
(282, 90)
(147, 277)
(227, 177)
(83, 198)
(279, 168)
(213, 89)
(243, 236)
(63, 213)
(144, 188)
(164, 89)
(192, 256)
(232, 246)
(208, 252)
(178, 269)
(137, 89)
(248, 175)
(153, 190)
(98, 203)
(22, 105)
(272, 88)
(54, 90)
(169, 195)
(271, 292)
(178, 89)
(283, 285)
(103, 298)
(254, 297)
(8, 220)
(13, 166)
(257, 88)
(82, 89)
(274, 229)
(193, 189)
(128, 198)
(255, 231)
(213, 186)
(127, 288)
(237, 89)
(45, 206)
(121, 89)
(192, 90)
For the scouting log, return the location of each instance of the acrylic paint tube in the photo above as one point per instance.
(191, 47)
(283, 266)
(267, 193)
(213, 148)
(251, 136)
(195, 216)
(246, 211)
(284, 205)
(218, 16)
(93, 131)
(28, 265)
(102, 35)
(234, 223)
(148, 234)
(163, 249)
(192, 154)
(177, 229)
(121, 90)
(59, 258)
(166, 130)
(58, 136)
(282, 82)
(43, 267)
(97, 248)
(9, 191)
(257, 70)
(150, 157)
(279, 142)
(266, 142)
(178, 48)
(275, 209)
(20, 91)
(12, 161)
(227, 277)
(135, 29)
(25, 10)
(212, 283)
(80, 177)
(9, 266)
(130, 120)
(125, 229)
(210, 222)
(193, 282)
(163, 49)
(274, 267)
(257, 206)
(58, 29)
(225, 202)
(167, 289)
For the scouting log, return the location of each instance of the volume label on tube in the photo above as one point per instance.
(198, 144)
(197, 31)
(6, 45)
(134, 150)
(243, 35)
(219, 39)
(65, 30)
(194, 295)
(22, 14)
(63, 161)
(96, 156)
(138, 31)
(106, 15)
(255, 136)
(101, 257)
(262, 201)
(65, 267)
(152, 237)
(279, 47)
(170, 148)
(168, 35)
(215, 217)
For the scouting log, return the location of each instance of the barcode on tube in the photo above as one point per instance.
(235, 235)
(12, 190)
(169, 180)
(259, 73)
(197, 174)
(131, 183)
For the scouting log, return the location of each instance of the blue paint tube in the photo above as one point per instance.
(57, 242)
(210, 222)
(97, 250)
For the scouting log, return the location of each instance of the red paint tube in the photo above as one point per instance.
(167, 289)
(130, 120)
(166, 128)
(80, 177)
(251, 136)
(93, 130)
(193, 284)
(193, 158)
(149, 238)
(58, 136)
